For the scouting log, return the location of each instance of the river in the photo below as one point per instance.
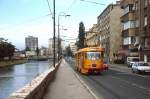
(15, 77)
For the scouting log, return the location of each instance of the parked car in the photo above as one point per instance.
(131, 60)
(139, 67)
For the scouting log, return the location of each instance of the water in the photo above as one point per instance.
(15, 77)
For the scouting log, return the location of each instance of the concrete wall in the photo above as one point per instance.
(37, 87)
(115, 31)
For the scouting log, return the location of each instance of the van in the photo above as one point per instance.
(131, 60)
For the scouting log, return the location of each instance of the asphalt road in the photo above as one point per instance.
(118, 83)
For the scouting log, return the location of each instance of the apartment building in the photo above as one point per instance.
(136, 28)
(51, 46)
(109, 30)
(31, 43)
(73, 47)
(91, 37)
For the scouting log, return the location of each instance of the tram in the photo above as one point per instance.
(89, 60)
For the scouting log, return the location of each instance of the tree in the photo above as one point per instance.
(37, 51)
(27, 49)
(68, 51)
(6, 49)
(81, 36)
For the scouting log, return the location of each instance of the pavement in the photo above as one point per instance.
(67, 85)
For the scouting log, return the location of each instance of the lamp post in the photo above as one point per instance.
(59, 41)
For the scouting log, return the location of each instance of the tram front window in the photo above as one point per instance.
(93, 55)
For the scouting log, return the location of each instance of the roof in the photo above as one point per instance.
(88, 49)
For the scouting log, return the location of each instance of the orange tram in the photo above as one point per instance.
(89, 60)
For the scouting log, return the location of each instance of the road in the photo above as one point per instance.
(118, 83)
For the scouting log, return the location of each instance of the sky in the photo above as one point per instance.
(21, 18)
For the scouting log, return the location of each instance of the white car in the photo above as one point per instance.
(140, 67)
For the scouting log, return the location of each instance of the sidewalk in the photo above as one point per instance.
(66, 85)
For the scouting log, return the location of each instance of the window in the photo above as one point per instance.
(128, 8)
(145, 3)
(135, 6)
(137, 23)
(129, 40)
(93, 55)
(147, 41)
(126, 41)
(129, 24)
(145, 20)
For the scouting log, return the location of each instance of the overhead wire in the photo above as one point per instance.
(26, 22)
(49, 7)
(71, 5)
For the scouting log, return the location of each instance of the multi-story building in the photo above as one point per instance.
(136, 28)
(31, 43)
(73, 47)
(109, 30)
(91, 38)
(51, 46)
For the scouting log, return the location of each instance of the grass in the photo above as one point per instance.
(11, 62)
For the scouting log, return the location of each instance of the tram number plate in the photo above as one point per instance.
(93, 65)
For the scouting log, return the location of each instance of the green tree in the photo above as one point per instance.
(81, 36)
(6, 49)
(27, 49)
(37, 51)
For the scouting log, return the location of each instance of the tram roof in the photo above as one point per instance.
(90, 49)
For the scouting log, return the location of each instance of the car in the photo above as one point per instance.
(131, 60)
(140, 67)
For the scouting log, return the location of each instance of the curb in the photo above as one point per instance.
(85, 85)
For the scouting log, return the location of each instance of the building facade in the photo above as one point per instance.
(91, 38)
(136, 28)
(51, 46)
(31, 43)
(109, 30)
(73, 47)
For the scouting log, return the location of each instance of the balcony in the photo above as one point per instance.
(130, 32)
(129, 16)
(124, 3)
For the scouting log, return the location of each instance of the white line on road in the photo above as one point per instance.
(133, 84)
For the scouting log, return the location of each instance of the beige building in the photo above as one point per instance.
(91, 38)
(73, 47)
(51, 46)
(109, 30)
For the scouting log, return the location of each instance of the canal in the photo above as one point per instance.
(15, 77)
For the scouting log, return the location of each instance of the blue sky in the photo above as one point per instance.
(20, 18)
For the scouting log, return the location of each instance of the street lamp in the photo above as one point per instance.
(65, 15)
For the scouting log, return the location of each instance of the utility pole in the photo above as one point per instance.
(54, 33)
(59, 41)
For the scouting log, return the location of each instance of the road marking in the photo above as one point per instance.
(129, 72)
(86, 86)
(133, 84)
